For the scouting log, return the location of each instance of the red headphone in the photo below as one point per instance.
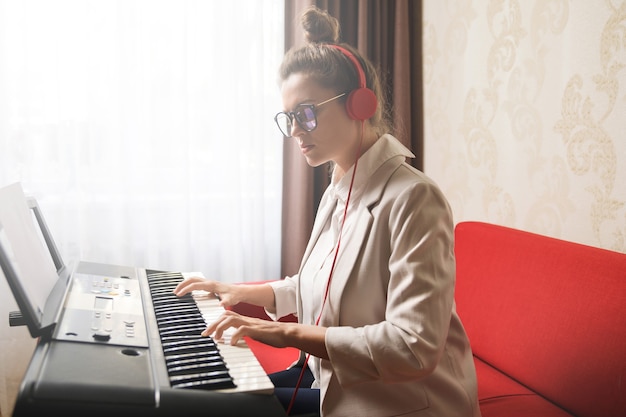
(361, 103)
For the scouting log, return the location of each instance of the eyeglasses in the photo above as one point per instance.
(304, 114)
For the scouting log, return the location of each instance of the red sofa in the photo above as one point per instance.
(546, 319)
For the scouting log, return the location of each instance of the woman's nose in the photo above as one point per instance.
(296, 129)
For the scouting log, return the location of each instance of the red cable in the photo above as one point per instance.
(332, 268)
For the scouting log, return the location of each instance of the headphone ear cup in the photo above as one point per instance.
(361, 104)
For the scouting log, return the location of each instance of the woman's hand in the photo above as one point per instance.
(269, 332)
(227, 293)
(308, 338)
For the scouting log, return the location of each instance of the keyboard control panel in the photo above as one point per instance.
(103, 309)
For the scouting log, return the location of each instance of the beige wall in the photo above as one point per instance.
(525, 114)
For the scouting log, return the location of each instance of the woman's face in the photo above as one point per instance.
(335, 137)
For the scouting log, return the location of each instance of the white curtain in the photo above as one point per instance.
(145, 130)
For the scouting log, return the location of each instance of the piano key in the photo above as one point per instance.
(207, 383)
(199, 341)
(175, 310)
(188, 358)
(179, 320)
(189, 369)
(207, 356)
(194, 347)
(184, 336)
(218, 374)
(183, 329)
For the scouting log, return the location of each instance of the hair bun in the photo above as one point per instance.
(319, 26)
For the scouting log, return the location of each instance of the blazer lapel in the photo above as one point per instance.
(351, 243)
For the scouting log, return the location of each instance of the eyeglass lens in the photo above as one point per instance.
(304, 115)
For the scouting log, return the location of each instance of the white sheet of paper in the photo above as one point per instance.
(30, 257)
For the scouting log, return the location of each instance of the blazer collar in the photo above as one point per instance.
(385, 148)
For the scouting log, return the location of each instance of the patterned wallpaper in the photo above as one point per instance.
(525, 114)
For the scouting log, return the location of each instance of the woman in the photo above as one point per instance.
(374, 295)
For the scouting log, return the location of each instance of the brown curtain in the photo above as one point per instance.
(388, 32)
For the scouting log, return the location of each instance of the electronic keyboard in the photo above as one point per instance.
(125, 343)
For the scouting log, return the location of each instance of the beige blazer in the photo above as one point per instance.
(396, 344)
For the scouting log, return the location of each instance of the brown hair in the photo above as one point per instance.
(329, 66)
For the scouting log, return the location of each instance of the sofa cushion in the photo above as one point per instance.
(501, 396)
(549, 313)
(272, 359)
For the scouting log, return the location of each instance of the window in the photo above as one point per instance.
(145, 129)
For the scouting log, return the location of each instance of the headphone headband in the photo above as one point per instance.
(355, 62)
(361, 103)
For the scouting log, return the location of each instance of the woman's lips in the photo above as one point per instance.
(306, 148)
